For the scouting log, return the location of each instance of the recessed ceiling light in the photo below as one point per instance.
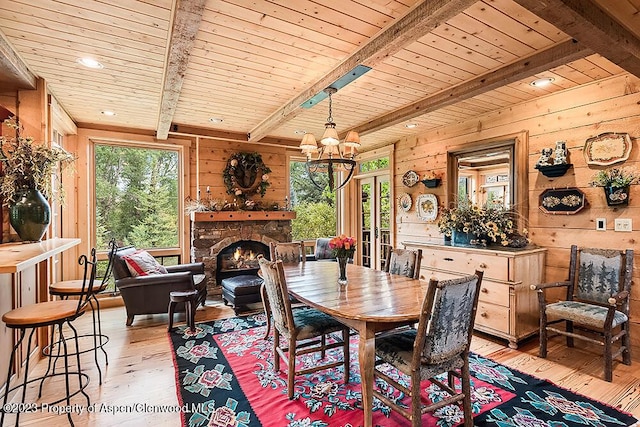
(300, 132)
(411, 125)
(216, 119)
(89, 62)
(542, 82)
(108, 113)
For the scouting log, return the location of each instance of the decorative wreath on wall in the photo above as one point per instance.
(245, 175)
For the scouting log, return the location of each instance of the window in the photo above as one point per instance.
(137, 196)
(316, 212)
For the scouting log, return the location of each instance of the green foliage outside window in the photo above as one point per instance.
(136, 196)
(315, 209)
(374, 165)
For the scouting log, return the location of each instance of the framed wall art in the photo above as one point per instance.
(607, 148)
(427, 207)
(563, 201)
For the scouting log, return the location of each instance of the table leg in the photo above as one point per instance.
(366, 357)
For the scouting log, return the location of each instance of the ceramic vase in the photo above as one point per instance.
(30, 215)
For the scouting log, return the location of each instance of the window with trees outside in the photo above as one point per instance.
(316, 210)
(137, 198)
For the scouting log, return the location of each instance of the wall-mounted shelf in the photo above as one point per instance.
(554, 171)
(431, 183)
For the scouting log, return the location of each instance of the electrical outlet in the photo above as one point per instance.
(601, 224)
(623, 224)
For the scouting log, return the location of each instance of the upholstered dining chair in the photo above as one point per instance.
(596, 303)
(305, 331)
(288, 253)
(405, 262)
(439, 345)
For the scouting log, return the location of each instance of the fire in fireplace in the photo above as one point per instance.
(240, 258)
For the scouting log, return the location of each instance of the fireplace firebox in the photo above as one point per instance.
(239, 258)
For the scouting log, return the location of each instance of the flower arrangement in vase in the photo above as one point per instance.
(25, 181)
(343, 248)
(615, 183)
(481, 226)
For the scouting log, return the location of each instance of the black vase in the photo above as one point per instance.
(617, 196)
(30, 215)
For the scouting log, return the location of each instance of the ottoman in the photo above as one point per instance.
(241, 290)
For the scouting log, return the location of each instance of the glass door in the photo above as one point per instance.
(375, 220)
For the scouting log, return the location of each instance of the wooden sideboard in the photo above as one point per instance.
(507, 307)
(25, 275)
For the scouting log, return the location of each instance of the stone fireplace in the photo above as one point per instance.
(213, 233)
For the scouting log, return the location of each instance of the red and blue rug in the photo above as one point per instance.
(225, 378)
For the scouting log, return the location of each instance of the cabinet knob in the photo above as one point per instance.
(484, 290)
(482, 265)
(448, 259)
(483, 314)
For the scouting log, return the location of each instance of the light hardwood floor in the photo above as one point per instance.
(141, 372)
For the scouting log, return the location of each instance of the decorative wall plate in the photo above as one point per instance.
(607, 148)
(405, 202)
(427, 207)
(564, 201)
(410, 178)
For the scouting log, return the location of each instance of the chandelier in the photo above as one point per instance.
(334, 158)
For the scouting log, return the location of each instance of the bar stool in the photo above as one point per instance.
(68, 288)
(190, 300)
(55, 314)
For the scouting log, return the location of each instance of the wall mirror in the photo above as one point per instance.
(490, 173)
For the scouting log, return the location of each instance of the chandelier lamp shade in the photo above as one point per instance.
(335, 158)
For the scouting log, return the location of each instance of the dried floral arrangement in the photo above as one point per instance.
(26, 164)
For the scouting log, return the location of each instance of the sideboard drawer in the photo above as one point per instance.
(494, 293)
(494, 267)
(493, 316)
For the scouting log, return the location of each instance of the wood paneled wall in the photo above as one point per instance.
(610, 105)
(209, 159)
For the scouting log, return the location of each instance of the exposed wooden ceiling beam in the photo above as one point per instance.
(193, 131)
(420, 20)
(14, 73)
(186, 23)
(554, 56)
(586, 22)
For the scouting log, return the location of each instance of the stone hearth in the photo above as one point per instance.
(212, 232)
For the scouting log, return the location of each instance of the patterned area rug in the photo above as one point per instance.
(225, 377)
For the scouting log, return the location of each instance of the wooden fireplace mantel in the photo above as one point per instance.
(242, 216)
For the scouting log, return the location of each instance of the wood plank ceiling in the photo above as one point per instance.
(175, 64)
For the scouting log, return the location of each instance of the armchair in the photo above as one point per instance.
(150, 294)
(596, 306)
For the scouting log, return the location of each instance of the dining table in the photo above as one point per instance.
(372, 301)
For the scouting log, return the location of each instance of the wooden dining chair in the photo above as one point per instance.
(405, 262)
(439, 345)
(596, 303)
(304, 331)
(288, 253)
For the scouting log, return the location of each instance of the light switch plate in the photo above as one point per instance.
(623, 224)
(601, 224)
